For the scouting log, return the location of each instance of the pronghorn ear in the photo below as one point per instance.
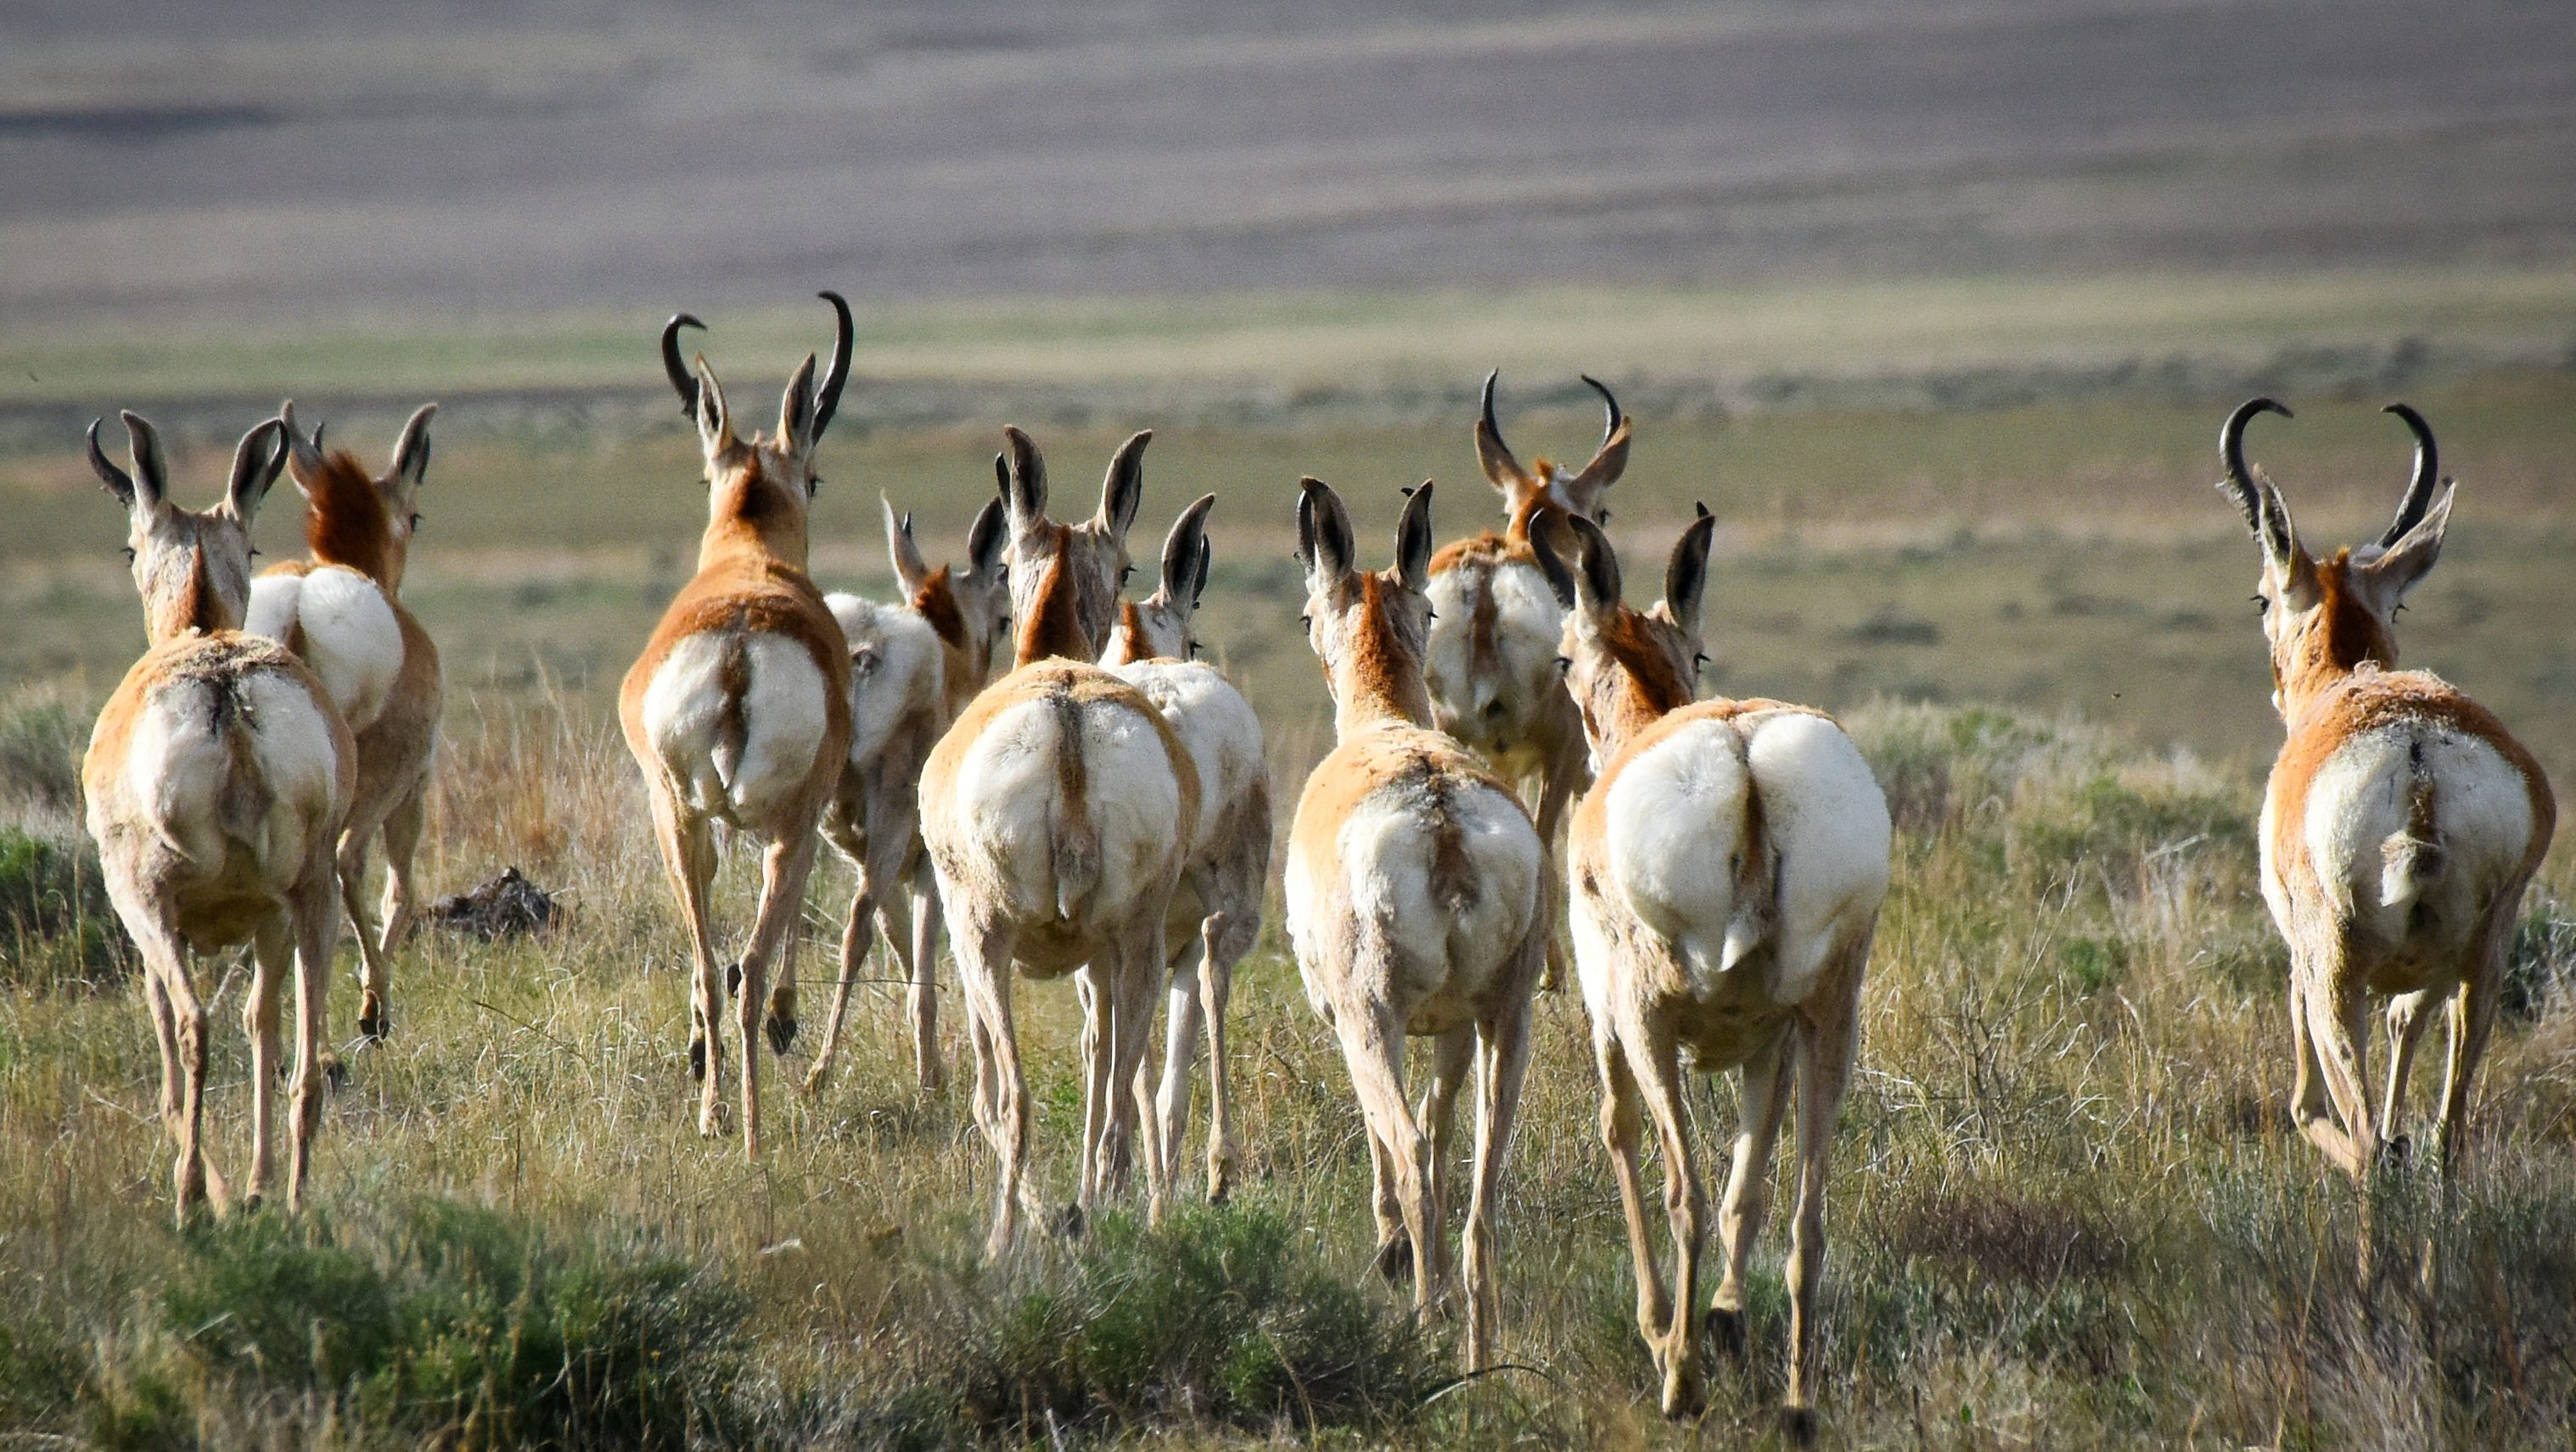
(796, 410)
(1024, 481)
(1183, 552)
(1596, 573)
(411, 452)
(715, 421)
(2285, 562)
(986, 541)
(1123, 491)
(909, 567)
(256, 461)
(1551, 565)
(1686, 576)
(151, 471)
(1323, 534)
(303, 451)
(1492, 454)
(1198, 586)
(1413, 541)
(2394, 573)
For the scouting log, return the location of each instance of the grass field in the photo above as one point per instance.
(2068, 1211)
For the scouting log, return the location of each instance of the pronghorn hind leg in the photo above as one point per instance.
(1653, 1061)
(402, 843)
(922, 927)
(2337, 1028)
(1622, 1132)
(1001, 1102)
(273, 960)
(1453, 1062)
(1141, 968)
(1503, 1063)
(2473, 1015)
(1823, 1069)
(1166, 1112)
(316, 926)
(357, 838)
(197, 1179)
(2409, 1014)
(1373, 1049)
(688, 855)
(1223, 942)
(1745, 1201)
(784, 867)
(856, 930)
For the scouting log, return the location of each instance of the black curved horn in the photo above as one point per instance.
(118, 482)
(683, 382)
(1611, 412)
(827, 396)
(2231, 453)
(2428, 469)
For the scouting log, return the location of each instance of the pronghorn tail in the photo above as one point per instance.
(1075, 847)
(2410, 860)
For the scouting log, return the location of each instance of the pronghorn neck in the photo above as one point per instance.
(190, 602)
(2329, 640)
(348, 524)
(1530, 513)
(1052, 623)
(1638, 675)
(1147, 630)
(752, 514)
(1378, 680)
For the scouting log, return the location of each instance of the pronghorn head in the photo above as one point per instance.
(970, 607)
(1158, 626)
(1065, 577)
(1576, 491)
(764, 484)
(191, 566)
(2324, 617)
(1370, 628)
(351, 519)
(1626, 667)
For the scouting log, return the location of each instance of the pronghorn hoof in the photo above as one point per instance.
(1726, 1330)
(1682, 1406)
(334, 1073)
(1069, 1224)
(2397, 1153)
(372, 1025)
(733, 979)
(1798, 1426)
(1395, 1261)
(1220, 1189)
(782, 1032)
(698, 1059)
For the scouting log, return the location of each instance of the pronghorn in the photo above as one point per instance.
(1215, 917)
(1726, 868)
(738, 711)
(1418, 902)
(913, 667)
(340, 610)
(217, 778)
(1051, 810)
(2401, 821)
(1491, 660)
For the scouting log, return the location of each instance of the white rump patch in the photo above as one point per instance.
(351, 638)
(2359, 800)
(1528, 629)
(1216, 726)
(739, 760)
(179, 768)
(896, 668)
(1387, 845)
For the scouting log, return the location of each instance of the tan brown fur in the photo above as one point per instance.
(2419, 917)
(751, 585)
(350, 524)
(1107, 912)
(185, 855)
